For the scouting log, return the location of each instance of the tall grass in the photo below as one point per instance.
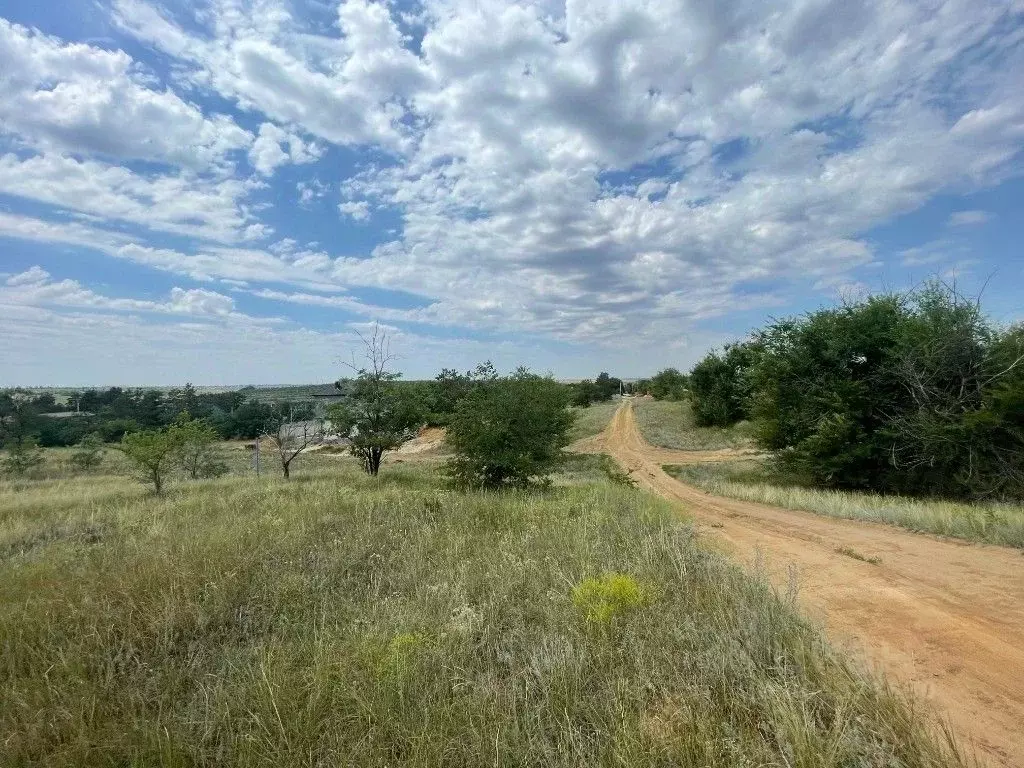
(344, 620)
(593, 419)
(670, 424)
(749, 481)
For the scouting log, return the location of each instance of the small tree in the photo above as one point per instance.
(89, 452)
(23, 457)
(377, 415)
(152, 453)
(291, 438)
(509, 432)
(197, 453)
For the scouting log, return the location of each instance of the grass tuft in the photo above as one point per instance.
(670, 424)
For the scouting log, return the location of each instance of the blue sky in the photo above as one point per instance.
(227, 191)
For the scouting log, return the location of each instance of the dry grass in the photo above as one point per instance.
(342, 620)
(749, 481)
(669, 424)
(593, 419)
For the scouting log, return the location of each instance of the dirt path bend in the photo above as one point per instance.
(943, 616)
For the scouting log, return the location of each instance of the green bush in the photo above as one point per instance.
(510, 431)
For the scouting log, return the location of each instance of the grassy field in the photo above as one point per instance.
(749, 481)
(592, 419)
(341, 620)
(669, 424)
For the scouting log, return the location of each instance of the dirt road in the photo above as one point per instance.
(943, 616)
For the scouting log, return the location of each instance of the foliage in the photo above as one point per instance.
(601, 600)
(668, 384)
(510, 431)
(377, 415)
(720, 385)
(152, 453)
(916, 394)
(89, 453)
(196, 450)
(23, 457)
(604, 387)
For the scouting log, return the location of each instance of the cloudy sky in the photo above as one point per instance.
(223, 191)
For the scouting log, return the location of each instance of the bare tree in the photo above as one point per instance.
(291, 438)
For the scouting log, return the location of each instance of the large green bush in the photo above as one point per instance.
(510, 431)
(917, 394)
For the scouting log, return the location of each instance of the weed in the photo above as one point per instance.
(849, 552)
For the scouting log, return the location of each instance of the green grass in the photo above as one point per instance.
(751, 481)
(338, 619)
(593, 419)
(669, 424)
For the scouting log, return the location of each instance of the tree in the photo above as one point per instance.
(19, 418)
(196, 452)
(89, 452)
(668, 384)
(719, 385)
(152, 452)
(292, 438)
(23, 457)
(509, 432)
(377, 415)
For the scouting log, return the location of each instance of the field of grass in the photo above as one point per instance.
(338, 619)
(669, 424)
(593, 419)
(750, 481)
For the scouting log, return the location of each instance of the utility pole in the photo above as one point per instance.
(257, 455)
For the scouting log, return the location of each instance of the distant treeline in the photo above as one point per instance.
(241, 414)
(917, 394)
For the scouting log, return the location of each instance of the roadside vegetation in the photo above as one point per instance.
(592, 419)
(917, 394)
(671, 424)
(340, 618)
(988, 522)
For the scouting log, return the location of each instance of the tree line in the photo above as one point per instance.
(917, 393)
(503, 429)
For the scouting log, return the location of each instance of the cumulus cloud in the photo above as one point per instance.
(275, 147)
(35, 287)
(81, 98)
(595, 172)
(358, 210)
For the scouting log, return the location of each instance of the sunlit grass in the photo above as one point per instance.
(669, 424)
(338, 619)
(592, 419)
(749, 481)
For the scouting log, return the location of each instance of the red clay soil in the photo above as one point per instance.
(942, 616)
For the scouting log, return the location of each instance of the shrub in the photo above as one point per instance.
(601, 600)
(89, 453)
(509, 432)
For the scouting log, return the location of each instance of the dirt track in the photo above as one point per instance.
(943, 616)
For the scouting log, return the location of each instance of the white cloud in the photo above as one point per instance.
(34, 287)
(358, 210)
(176, 203)
(80, 98)
(275, 147)
(969, 218)
(600, 172)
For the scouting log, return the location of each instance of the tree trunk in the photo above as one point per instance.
(284, 468)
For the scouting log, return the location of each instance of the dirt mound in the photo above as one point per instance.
(429, 439)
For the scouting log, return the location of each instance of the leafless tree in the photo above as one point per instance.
(292, 438)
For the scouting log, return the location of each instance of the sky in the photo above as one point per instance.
(229, 191)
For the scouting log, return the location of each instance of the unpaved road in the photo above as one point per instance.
(943, 616)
